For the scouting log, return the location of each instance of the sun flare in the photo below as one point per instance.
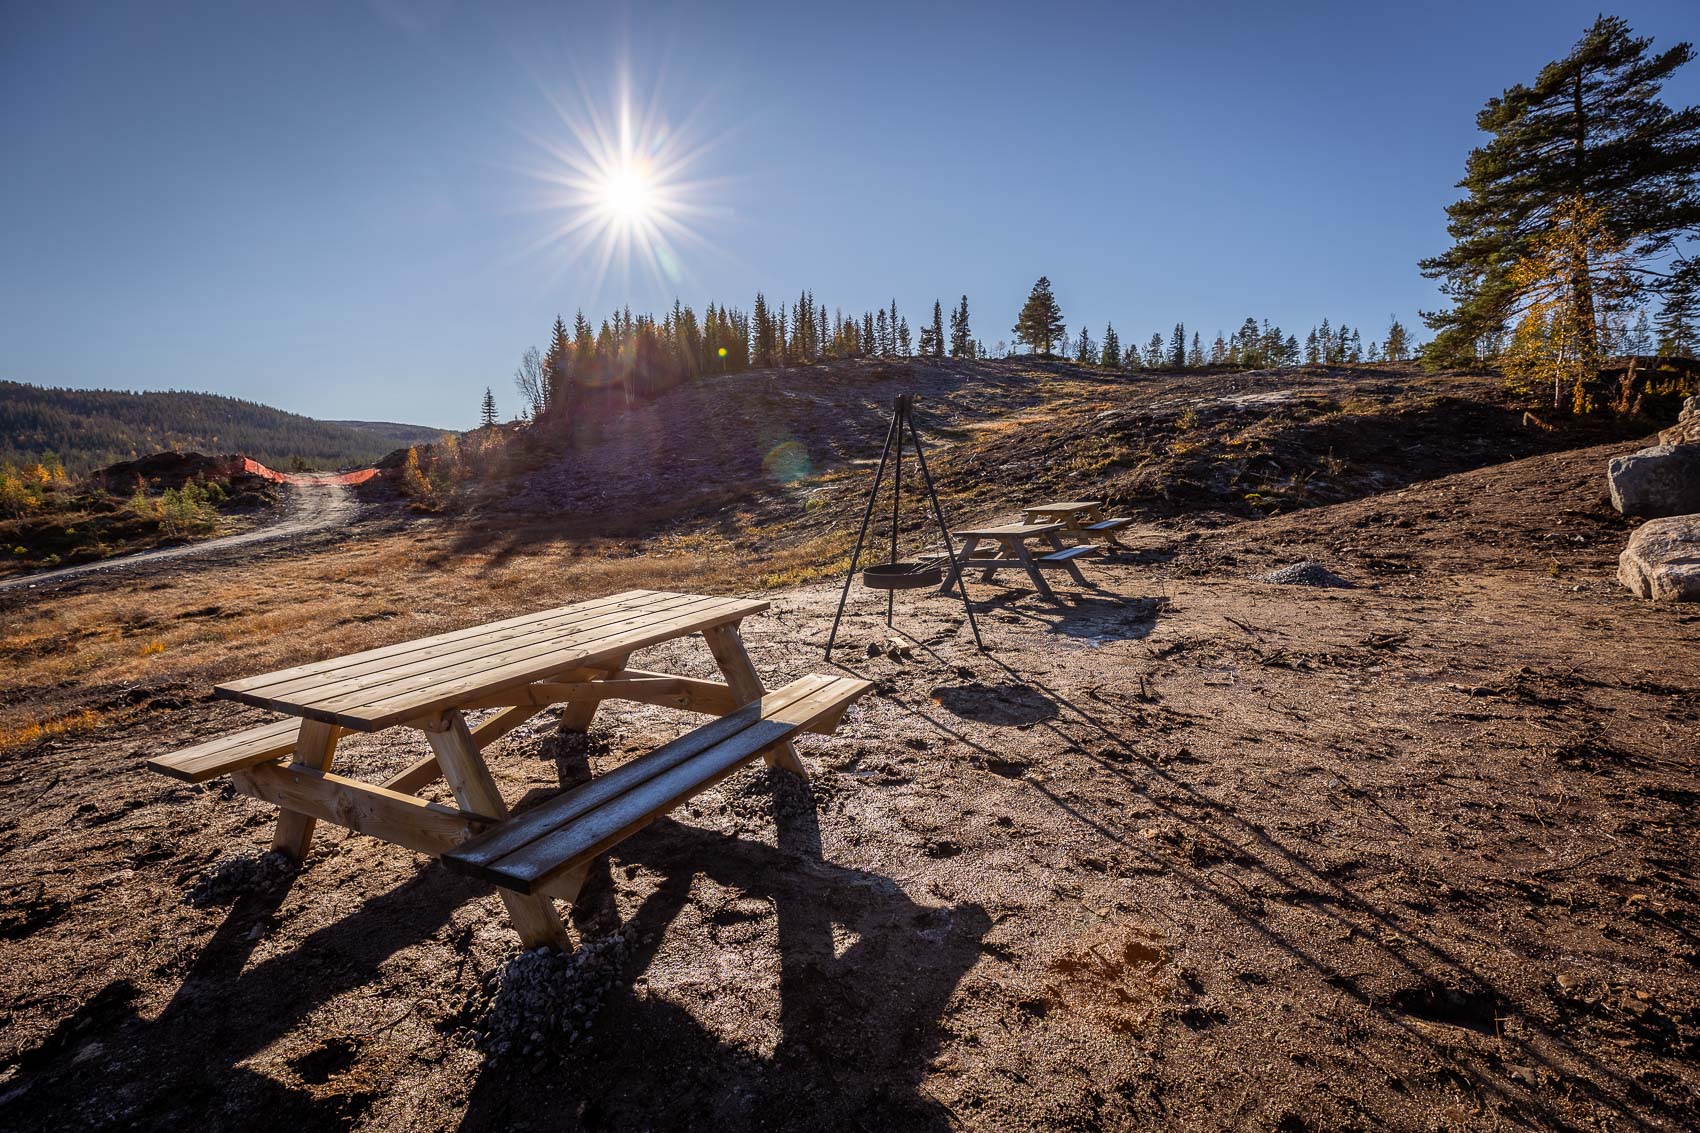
(618, 181)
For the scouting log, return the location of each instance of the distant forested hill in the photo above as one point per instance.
(87, 429)
(396, 435)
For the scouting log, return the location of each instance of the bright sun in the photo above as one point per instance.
(626, 194)
(617, 178)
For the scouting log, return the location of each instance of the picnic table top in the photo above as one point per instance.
(379, 688)
(1007, 530)
(1062, 506)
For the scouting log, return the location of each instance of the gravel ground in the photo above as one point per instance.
(1185, 850)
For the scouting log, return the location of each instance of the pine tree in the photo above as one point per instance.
(870, 344)
(1678, 325)
(1251, 345)
(937, 330)
(1154, 353)
(764, 350)
(1177, 347)
(903, 338)
(1195, 356)
(1085, 350)
(1591, 130)
(487, 411)
(962, 339)
(557, 377)
(1397, 348)
(1219, 351)
(928, 347)
(1111, 356)
(1040, 324)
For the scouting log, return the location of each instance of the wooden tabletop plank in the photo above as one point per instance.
(1007, 530)
(352, 661)
(1062, 506)
(412, 698)
(357, 671)
(582, 645)
(374, 701)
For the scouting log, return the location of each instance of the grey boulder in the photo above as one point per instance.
(1662, 561)
(1687, 427)
(1656, 482)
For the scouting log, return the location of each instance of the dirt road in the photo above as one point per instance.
(312, 505)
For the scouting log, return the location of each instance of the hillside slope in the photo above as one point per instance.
(776, 460)
(90, 428)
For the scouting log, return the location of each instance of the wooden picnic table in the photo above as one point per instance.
(574, 655)
(1011, 539)
(1084, 519)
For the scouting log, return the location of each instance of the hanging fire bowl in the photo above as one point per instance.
(908, 575)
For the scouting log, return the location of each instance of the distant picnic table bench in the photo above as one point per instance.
(1083, 519)
(574, 655)
(1012, 551)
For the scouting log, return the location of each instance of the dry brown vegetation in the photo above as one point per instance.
(1188, 850)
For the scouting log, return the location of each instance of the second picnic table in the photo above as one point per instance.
(1011, 539)
(1083, 519)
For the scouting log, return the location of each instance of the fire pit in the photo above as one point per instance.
(902, 575)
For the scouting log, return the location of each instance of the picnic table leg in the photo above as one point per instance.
(313, 748)
(576, 717)
(1018, 546)
(745, 683)
(1056, 541)
(953, 565)
(533, 915)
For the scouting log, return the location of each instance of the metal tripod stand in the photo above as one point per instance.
(902, 417)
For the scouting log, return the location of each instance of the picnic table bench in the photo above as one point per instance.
(1012, 551)
(574, 655)
(1083, 519)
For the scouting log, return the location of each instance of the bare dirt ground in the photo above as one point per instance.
(1187, 850)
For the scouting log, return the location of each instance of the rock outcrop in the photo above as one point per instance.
(1656, 482)
(1662, 561)
(1686, 431)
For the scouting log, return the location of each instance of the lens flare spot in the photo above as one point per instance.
(723, 352)
(787, 462)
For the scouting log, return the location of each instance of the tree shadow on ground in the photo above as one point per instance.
(858, 1023)
(1442, 988)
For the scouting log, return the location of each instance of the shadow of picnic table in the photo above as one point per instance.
(858, 1025)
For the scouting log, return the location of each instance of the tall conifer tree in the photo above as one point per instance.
(1590, 132)
(1040, 324)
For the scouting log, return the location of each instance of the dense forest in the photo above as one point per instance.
(86, 429)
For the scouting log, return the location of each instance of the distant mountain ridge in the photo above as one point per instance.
(88, 429)
(395, 432)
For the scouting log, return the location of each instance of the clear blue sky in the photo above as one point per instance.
(338, 209)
